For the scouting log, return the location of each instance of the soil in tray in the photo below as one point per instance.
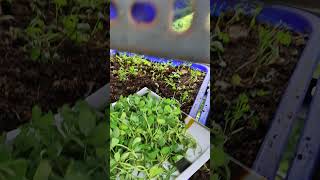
(79, 71)
(246, 92)
(130, 74)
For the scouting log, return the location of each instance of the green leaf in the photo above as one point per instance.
(167, 109)
(87, 121)
(55, 150)
(124, 156)
(44, 122)
(136, 140)
(114, 142)
(134, 118)
(153, 155)
(219, 157)
(36, 113)
(161, 121)
(123, 116)
(117, 156)
(161, 141)
(165, 150)
(5, 153)
(70, 24)
(67, 114)
(284, 38)
(35, 53)
(43, 171)
(177, 158)
(99, 135)
(155, 171)
(217, 46)
(215, 177)
(236, 80)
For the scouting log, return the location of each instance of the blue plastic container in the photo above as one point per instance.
(308, 152)
(269, 156)
(206, 109)
(203, 88)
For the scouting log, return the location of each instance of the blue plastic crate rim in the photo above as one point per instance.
(308, 152)
(270, 15)
(174, 62)
(273, 146)
(203, 88)
(206, 109)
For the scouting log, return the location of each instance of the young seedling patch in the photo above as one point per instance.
(131, 73)
(147, 137)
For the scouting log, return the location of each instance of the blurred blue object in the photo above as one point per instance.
(182, 8)
(180, 4)
(113, 11)
(143, 12)
(146, 12)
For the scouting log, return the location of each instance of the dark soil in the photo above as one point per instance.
(135, 83)
(202, 173)
(80, 71)
(273, 78)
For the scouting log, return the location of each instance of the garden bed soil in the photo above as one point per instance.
(79, 71)
(134, 83)
(273, 78)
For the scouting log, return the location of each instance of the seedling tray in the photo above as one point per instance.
(196, 158)
(305, 162)
(98, 100)
(203, 88)
(273, 146)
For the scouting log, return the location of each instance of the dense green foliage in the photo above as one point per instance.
(146, 134)
(75, 150)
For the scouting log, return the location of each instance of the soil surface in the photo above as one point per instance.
(80, 70)
(135, 83)
(271, 79)
(202, 173)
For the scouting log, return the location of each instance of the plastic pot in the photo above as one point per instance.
(269, 156)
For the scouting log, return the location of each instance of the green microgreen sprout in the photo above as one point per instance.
(146, 133)
(237, 112)
(72, 23)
